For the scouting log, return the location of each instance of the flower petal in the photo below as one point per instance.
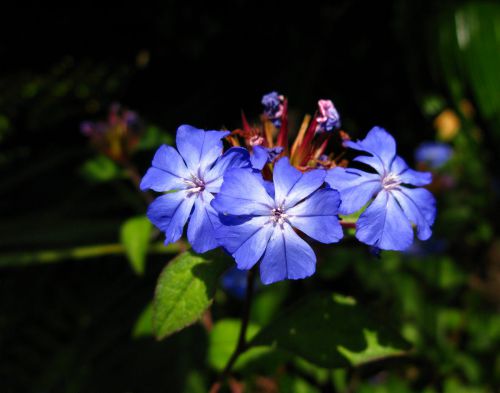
(409, 176)
(259, 157)
(286, 256)
(291, 185)
(412, 210)
(170, 212)
(204, 220)
(379, 143)
(245, 238)
(199, 148)
(356, 187)
(242, 193)
(317, 216)
(167, 171)
(384, 225)
(235, 157)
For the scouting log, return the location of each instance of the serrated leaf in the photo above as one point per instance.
(135, 236)
(331, 331)
(185, 290)
(100, 169)
(222, 343)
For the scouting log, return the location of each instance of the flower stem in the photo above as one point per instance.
(77, 253)
(242, 344)
(348, 224)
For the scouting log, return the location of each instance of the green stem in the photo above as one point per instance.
(83, 252)
(242, 343)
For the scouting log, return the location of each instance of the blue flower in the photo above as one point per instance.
(386, 223)
(194, 172)
(258, 221)
(273, 107)
(328, 118)
(434, 154)
(234, 281)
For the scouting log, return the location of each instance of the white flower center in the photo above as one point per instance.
(390, 181)
(195, 185)
(278, 216)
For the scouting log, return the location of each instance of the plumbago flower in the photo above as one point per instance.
(399, 200)
(191, 175)
(258, 220)
(261, 202)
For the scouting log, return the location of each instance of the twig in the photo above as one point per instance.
(52, 256)
(242, 344)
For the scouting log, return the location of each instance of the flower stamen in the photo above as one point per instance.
(390, 181)
(278, 216)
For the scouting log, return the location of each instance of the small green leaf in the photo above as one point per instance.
(135, 235)
(154, 137)
(185, 290)
(100, 169)
(330, 331)
(222, 343)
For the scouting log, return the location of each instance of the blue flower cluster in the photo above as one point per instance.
(229, 203)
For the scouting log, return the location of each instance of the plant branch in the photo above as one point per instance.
(16, 259)
(242, 344)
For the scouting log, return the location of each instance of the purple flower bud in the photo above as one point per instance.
(328, 118)
(273, 107)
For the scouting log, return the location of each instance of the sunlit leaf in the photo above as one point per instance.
(222, 343)
(135, 236)
(185, 290)
(331, 331)
(144, 325)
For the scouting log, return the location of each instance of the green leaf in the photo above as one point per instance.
(374, 350)
(267, 302)
(144, 325)
(466, 51)
(154, 137)
(135, 236)
(100, 169)
(331, 331)
(185, 290)
(223, 340)
(295, 384)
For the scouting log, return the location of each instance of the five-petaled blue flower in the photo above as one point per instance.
(386, 223)
(257, 219)
(194, 173)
